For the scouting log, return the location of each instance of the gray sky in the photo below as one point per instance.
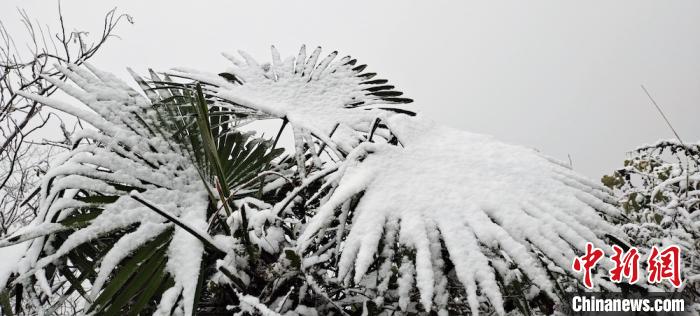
(558, 76)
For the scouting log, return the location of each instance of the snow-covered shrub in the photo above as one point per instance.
(166, 207)
(659, 189)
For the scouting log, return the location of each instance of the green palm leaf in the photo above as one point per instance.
(113, 250)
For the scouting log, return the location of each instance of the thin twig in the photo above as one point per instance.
(658, 108)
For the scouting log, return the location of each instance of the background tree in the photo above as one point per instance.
(659, 189)
(25, 61)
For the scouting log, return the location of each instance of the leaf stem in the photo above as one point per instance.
(206, 240)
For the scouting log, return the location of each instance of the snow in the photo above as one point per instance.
(10, 258)
(251, 304)
(122, 149)
(168, 300)
(302, 310)
(43, 283)
(185, 257)
(122, 249)
(474, 192)
(658, 187)
(311, 96)
(405, 282)
(493, 205)
(31, 232)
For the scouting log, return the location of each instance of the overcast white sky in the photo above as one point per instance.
(558, 76)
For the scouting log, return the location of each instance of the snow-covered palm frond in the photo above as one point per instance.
(427, 204)
(96, 203)
(316, 95)
(499, 213)
(300, 87)
(85, 196)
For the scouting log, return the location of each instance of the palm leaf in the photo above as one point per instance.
(153, 149)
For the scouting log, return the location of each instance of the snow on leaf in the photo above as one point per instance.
(129, 150)
(123, 248)
(477, 194)
(405, 196)
(251, 304)
(311, 95)
(484, 202)
(10, 257)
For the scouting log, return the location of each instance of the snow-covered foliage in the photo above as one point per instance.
(86, 209)
(84, 197)
(441, 205)
(377, 210)
(508, 212)
(314, 96)
(659, 189)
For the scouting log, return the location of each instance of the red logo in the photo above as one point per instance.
(661, 265)
(587, 263)
(626, 265)
(665, 265)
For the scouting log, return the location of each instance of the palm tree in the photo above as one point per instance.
(167, 207)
